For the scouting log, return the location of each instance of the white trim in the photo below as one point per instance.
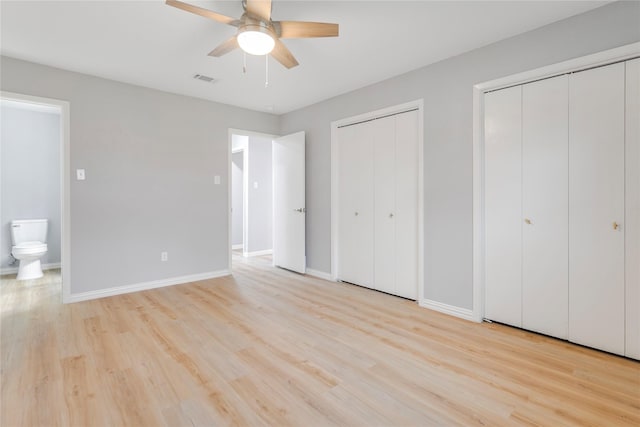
(621, 53)
(597, 59)
(462, 313)
(257, 253)
(319, 274)
(229, 201)
(65, 179)
(118, 290)
(14, 270)
(245, 197)
(250, 133)
(245, 188)
(419, 104)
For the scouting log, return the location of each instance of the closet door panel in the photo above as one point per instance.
(384, 159)
(406, 211)
(632, 209)
(596, 208)
(355, 248)
(545, 151)
(503, 206)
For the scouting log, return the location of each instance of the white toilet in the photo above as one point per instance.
(29, 238)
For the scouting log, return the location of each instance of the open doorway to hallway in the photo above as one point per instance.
(251, 221)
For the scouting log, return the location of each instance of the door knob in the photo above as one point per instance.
(615, 225)
(356, 214)
(390, 215)
(527, 221)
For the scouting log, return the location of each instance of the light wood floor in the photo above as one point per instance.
(268, 347)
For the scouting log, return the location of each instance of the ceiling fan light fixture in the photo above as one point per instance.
(256, 40)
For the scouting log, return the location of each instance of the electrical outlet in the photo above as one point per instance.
(164, 256)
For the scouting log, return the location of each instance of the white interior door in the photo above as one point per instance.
(289, 202)
(503, 206)
(355, 213)
(545, 251)
(596, 208)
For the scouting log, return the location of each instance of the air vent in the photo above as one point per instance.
(204, 78)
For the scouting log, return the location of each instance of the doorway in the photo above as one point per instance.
(27, 122)
(250, 195)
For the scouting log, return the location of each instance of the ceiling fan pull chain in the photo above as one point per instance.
(266, 67)
(244, 62)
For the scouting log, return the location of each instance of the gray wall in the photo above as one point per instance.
(260, 209)
(150, 159)
(447, 91)
(30, 145)
(236, 198)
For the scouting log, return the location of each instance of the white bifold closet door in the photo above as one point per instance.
(378, 204)
(596, 208)
(503, 206)
(406, 205)
(545, 151)
(355, 215)
(384, 166)
(526, 158)
(396, 204)
(562, 207)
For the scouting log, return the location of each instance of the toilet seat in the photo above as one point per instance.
(28, 248)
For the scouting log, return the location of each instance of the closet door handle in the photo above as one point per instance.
(527, 221)
(615, 225)
(390, 215)
(356, 214)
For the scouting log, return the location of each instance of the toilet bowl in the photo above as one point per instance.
(29, 239)
(29, 254)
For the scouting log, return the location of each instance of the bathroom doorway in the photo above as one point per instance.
(250, 195)
(34, 152)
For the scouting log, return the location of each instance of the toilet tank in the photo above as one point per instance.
(28, 230)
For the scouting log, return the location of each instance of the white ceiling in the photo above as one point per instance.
(151, 44)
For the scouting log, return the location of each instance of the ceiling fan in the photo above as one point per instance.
(258, 34)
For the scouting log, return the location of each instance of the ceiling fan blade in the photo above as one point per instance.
(204, 12)
(283, 55)
(259, 8)
(299, 29)
(225, 47)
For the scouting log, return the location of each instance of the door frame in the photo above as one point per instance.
(245, 189)
(244, 193)
(621, 53)
(64, 107)
(417, 104)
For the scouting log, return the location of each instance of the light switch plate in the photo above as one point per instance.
(216, 180)
(255, 184)
(80, 174)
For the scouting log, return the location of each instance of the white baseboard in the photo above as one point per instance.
(14, 270)
(235, 247)
(319, 274)
(258, 253)
(452, 310)
(118, 290)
